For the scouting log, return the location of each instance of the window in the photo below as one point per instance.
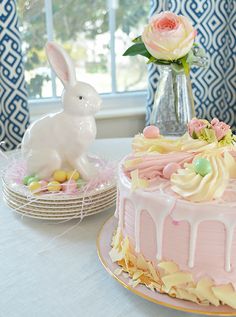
(95, 33)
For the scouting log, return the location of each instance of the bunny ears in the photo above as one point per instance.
(61, 63)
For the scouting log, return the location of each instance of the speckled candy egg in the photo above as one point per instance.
(151, 132)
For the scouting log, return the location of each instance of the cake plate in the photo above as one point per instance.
(103, 247)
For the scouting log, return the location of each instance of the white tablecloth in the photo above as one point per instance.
(46, 271)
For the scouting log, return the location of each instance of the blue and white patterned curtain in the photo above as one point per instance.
(214, 88)
(14, 114)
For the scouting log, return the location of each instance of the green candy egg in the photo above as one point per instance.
(202, 166)
(80, 182)
(32, 179)
(26, 179)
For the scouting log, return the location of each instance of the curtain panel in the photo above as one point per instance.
(14, 114)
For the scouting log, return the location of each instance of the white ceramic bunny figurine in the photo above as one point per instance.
(62, 139)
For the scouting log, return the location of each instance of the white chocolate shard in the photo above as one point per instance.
(184, 294)
(204, 291)
(153, 272)
(115, 255)
(176, 279)
(137, 275)
(226, 294)
(141, 263)
(169, 267)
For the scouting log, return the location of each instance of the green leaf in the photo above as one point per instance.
(138, 39)
(163, 62)
(137, 49)
(152, 59)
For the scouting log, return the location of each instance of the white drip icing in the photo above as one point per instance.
(117, 203)
(148, 204)
(121, 212)
(192, 244)
(229, 240)
(137, 229)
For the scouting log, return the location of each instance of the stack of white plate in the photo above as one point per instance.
(59, 207)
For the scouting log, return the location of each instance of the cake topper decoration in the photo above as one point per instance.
(214, 131)
(61, 140)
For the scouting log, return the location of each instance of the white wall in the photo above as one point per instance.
(120, 127)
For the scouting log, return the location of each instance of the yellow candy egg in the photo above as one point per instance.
(59, 176)
(35, 187)
(73, 175)
(54, 186)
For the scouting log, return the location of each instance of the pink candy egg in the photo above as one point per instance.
(43, 184)
(151, 132)
(169, 169)
(69, 186)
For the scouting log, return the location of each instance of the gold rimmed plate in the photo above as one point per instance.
(26, 207)
(29, 209)
(104, 246)
(35, 204)
(60, 216)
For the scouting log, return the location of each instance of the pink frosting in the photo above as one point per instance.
(152, 166)
(170, 169)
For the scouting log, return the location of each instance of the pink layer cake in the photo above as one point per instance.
(176, 211)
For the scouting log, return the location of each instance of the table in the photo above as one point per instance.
(52, 270)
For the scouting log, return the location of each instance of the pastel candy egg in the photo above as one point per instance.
(69, 186)
(54, 186)
(34, 187)
(59, 176)
(43, 184)
(170, 169)
(26, 179)
(32, 179)
(80, 183)
(73, 175)
(151, 132)
(202, 166)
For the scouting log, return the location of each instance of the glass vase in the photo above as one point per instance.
(173, 103)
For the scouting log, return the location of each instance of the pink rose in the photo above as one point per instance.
(220, 128)
(196, 125)
(168, 36)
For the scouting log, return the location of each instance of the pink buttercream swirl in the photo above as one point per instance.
(151, 166)
(220, 128)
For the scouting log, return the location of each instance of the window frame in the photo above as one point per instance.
(115, 103)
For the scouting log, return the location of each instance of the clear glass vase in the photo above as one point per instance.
(173, 104)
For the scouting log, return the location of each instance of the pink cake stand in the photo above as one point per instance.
(103, 248)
